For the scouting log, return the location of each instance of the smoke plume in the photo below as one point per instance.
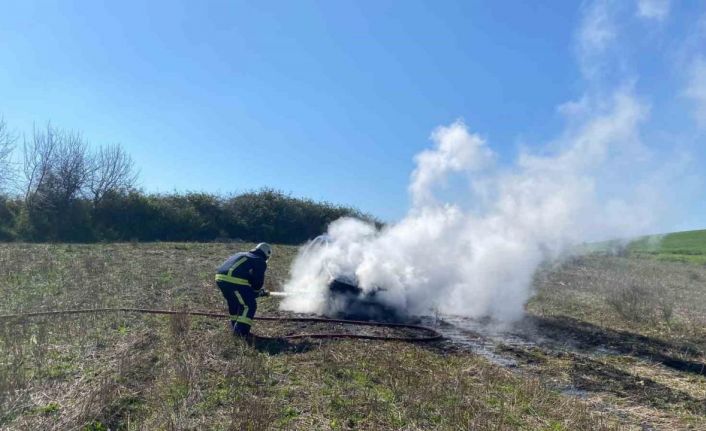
(473, 251)
(476, 255)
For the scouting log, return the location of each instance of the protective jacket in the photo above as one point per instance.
(244, 269)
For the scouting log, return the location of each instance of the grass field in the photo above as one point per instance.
(688, 246)
(684, 246)
(636, 328)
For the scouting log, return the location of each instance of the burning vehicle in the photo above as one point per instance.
(345, 299)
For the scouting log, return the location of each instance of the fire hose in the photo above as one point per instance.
(432, 334)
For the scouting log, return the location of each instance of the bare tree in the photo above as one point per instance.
(72, 167)
(7, 145)
(113, 170)
(39, 159)
(57, 166)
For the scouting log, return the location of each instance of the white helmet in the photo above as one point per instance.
(265, 248)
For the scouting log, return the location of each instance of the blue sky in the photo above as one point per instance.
(332, 99)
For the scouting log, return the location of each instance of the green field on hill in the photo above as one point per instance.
(687, 246)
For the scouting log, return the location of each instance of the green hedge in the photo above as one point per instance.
(265, 215)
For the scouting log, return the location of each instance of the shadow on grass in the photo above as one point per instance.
(588, 374)
(593, 375)
(276, 346)
(596, 376)
(587, 336)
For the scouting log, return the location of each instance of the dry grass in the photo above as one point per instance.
(640, 328)
(153, 372)
(645, 296)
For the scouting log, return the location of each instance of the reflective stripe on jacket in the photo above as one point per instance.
(243, 269)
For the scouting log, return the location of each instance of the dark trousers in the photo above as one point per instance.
(241, 306)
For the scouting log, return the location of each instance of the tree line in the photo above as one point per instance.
(63, 190)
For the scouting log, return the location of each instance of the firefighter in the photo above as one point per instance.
(240, 279)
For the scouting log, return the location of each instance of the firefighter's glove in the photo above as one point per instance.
(264, 292)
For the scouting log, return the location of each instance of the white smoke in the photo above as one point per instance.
(473, 252)
(476, 255)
